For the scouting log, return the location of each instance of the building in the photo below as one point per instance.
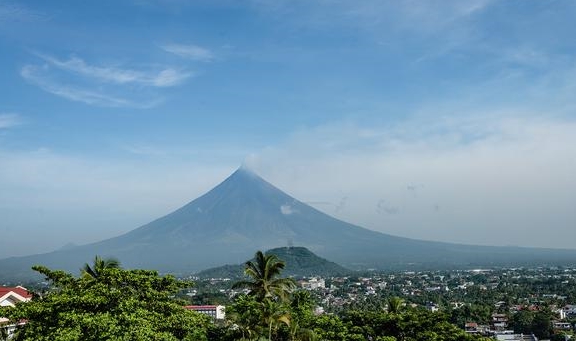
(471, 327)
(499, 321)
(433, 307)
(314, 283)
(569, 311)
(515, 337)
(9, 296)
(561, 326)
(214, 311)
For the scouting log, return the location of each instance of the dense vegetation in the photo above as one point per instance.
(107, 302)
(406, 324)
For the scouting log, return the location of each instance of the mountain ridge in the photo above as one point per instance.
(245, 213)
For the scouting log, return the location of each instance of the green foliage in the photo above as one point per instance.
(99, 266)
(480, 313)
(521, 322)
(332, 328)
(265, 281)
(530, 322)
(413, 325)
(116, 305)
(109, 303)
(395, 305)
(246, 314)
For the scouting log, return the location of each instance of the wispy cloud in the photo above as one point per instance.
(102, 85)
(162, 78)
(10, 12)
(8, 120)
(189, 51)
(34, 75)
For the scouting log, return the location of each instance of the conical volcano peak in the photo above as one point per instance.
(245, 170)
(246, 167)
(244, 180)
(246, 213)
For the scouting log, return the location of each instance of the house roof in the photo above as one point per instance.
(20, 293)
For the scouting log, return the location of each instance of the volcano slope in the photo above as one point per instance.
(245, 213)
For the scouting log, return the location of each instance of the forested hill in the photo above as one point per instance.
(300, 262)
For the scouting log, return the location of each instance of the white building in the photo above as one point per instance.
(214, 311)
(314, 283)
(515, 337)
(432, 307)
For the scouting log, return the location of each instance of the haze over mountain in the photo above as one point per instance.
(245, 213)
(299, 262)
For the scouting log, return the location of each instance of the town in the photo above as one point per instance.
(504, 303)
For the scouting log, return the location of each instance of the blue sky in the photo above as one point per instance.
(441, 120)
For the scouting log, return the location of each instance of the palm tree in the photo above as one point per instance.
(273, 313)
(265, 282)
(99, 266)
(395, 305)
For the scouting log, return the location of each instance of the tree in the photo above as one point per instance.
(410, 325)
(245, 313)
(265, 282)
(522, 321)
(268, 290)
(99, 266)
(273, 314)
(301, 316)
(120, 305)
(542, 324)
(395, 305)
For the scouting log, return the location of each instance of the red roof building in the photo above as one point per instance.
(9, 296)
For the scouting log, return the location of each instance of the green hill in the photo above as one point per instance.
(300, 262)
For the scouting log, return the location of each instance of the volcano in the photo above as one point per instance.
(245, 213)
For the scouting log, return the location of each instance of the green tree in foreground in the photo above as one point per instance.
(120, 305)
(267, 299)
(265, 280)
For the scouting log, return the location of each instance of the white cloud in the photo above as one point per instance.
(494, 181)
(163, 78)
(490, 181)
(189, 51)
(102, 85)
(8, 120)
(35, 76)
(287, 209)
(11, 12)
(170, 77)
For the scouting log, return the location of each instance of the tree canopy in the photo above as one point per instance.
(99, 265)
(117, 305)
(265, 281)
